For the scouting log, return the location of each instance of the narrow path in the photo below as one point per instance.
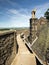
(24, 57)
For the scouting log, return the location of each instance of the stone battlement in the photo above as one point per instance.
(7, 47)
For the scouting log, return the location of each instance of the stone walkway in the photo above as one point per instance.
(24, 57)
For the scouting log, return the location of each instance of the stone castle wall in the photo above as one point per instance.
(7, 47)
(33, 29)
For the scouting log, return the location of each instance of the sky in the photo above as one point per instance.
(16, 13)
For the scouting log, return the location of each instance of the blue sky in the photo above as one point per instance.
(16, 13)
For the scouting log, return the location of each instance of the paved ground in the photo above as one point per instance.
(24, 57)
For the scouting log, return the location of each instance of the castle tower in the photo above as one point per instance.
(33, 26)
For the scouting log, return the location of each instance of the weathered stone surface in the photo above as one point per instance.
(41, 45)
(33, 29)
(7, 47)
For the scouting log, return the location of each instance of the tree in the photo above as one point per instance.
(47, 14)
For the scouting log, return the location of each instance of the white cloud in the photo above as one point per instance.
(41, 9)
(20, 18)
(13, 11)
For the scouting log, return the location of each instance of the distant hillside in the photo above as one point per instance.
(18, 28)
